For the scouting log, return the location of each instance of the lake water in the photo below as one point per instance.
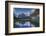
(23, 24)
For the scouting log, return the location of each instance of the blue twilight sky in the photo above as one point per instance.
(26, 11)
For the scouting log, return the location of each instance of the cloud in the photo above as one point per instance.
(27, 14)
(32, 11)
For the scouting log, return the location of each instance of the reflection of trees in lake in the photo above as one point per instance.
(22, 22)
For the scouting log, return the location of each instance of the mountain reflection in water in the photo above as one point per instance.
(23, 24)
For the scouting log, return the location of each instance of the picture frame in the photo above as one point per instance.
(20, 7)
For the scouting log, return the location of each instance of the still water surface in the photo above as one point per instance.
(23, 24)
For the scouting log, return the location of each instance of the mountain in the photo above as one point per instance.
(23, 16)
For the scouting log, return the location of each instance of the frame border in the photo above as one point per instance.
(6, 18)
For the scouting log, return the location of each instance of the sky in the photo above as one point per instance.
(26, 11)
